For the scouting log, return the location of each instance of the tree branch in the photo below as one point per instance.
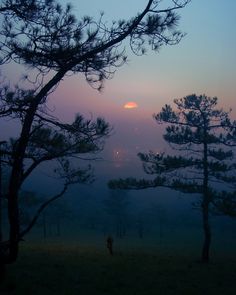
(41, 208)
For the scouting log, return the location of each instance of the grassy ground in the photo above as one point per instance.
(72, 269)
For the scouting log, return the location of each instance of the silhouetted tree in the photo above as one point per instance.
(116, 207)
(225, 203)
(142, 222)
(160, 218)
(201, 133)
(1, 189)
(48, 38)
(54, 216)
(2, 206)
(149, 219)
(28, 201)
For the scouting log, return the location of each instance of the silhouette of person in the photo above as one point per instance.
(110, 244)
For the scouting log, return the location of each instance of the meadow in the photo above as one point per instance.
(65, 268)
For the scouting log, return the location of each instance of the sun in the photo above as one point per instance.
(130, 105)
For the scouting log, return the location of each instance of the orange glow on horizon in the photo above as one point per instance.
(130, 105)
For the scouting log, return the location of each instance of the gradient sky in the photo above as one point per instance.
(203, 62)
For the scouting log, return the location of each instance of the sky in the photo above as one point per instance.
(202, 63)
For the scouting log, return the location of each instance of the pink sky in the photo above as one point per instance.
(204, 62)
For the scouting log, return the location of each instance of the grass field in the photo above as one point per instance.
(54, 268)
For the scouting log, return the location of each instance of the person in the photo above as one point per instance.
(110, 244)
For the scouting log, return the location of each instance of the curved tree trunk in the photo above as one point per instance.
(15, 184)
(17, 169)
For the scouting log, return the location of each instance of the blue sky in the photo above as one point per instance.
(203, 62)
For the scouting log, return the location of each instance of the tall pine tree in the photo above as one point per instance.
(202, 137)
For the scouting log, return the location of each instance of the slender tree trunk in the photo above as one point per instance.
(44, 226)
(58, 227)
(0, 194)
(161, 230)
(207, 232)
(2, 272)
(140, 229)
(2, 265)
(206, 200)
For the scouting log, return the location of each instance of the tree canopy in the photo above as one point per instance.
(45, 35)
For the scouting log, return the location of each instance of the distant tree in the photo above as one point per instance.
(142, 222)
(116, 207)
(54, 217)
(150, 219)
(93, 218)
(29, 206)
(47, 38)
(225, 203)
(204, 136)
(28, 201)
(60, 213)
(160, 217)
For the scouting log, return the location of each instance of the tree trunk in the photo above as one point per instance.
(1, 195)
(207, 232)
(2, 265)
(3, 260)
(140, 229)
(44, 226)
(16, 179)
(15, 184)
(58, 227)
(206, 200)
(2, 272)
(13, 214)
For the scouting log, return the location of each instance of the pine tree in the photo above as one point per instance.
(202, 137)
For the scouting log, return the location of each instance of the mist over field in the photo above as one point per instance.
(117, 147)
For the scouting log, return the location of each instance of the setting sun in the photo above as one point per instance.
(130, 105)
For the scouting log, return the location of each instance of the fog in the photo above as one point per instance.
(88, 213)
(93, 208)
